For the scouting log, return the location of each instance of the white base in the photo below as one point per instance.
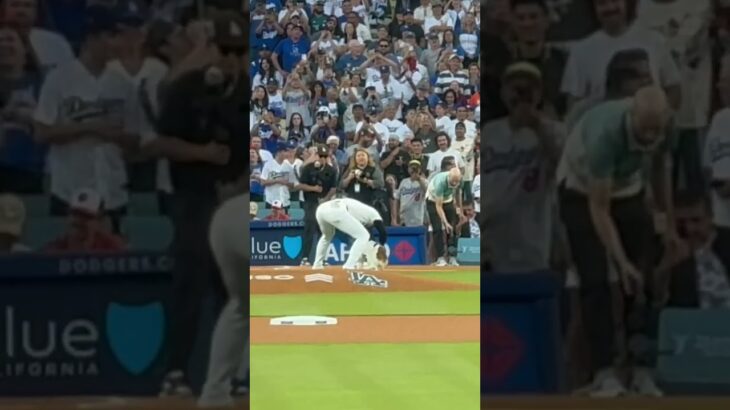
(303, 321)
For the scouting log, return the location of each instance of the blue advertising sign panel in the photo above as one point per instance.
(694, 346)
(281, 243)
(520, 334)
(88, 331)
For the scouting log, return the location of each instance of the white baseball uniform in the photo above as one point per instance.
(351, 217)
(229, 241)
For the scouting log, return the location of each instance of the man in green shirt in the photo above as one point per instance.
(603, 177)
(443, 215)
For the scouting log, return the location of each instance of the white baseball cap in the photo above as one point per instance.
(277, 204)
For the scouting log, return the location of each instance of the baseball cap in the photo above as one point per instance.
(277, 204)
(414, 162)
(253, 208)
(385, 69)
(228, 31)
(408, 34)
(86, 201)
(272, 81)
(423, 85)
(433, 36)
(333, 139)
(12, 215)
(460, 124)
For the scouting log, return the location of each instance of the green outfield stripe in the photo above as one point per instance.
(366, 304)
(365, 377)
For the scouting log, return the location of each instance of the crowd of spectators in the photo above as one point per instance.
(606, 161)
(104, 102)
(364, 99)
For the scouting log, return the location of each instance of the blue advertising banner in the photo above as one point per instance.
(520, 334)
(88, 325)
(694, 347)
(280, 243)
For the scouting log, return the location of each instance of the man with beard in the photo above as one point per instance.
(203, 127)
(585, 73)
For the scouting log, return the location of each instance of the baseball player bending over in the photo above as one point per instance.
(229, 240)
(353, 218)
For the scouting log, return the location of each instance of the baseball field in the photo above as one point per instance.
(403, 338)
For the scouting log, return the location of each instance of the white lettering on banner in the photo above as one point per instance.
(114, 264)
(40, 350)
(263, 250)
(342, 252)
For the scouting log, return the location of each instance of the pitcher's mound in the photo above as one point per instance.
(278, 280)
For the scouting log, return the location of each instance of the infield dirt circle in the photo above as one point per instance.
(361, 329)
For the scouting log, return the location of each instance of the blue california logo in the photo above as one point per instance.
(292, 246)
(135, 334)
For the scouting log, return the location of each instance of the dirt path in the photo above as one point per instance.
(289, 280)
(372, 329)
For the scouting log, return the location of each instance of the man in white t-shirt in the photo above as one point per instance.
(585, 72)
(88, 115)
(51, 49)
(462, 114)
(278, 176)
(445, 150)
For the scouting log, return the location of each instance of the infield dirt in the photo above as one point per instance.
(361, 329)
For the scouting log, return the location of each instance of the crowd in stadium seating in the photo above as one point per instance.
(365, 99)
(606, 161)
(80, 91)
(122, 128)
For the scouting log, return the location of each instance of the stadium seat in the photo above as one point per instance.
(40, 231)
(263, 213)
(296, 205)
(144, 204)
(37, 205)
(469, 251)
(148, 233)
(296, 213)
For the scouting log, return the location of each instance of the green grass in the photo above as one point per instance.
(364, 304)
(365, 377)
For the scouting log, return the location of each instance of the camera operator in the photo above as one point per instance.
(362, 177)
(318, 182)
(202, 127)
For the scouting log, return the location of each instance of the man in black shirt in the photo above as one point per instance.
(318, 181)
(395, 160)
(203, 128)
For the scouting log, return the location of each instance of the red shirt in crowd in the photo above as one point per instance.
(277, 217)
(101, 242)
